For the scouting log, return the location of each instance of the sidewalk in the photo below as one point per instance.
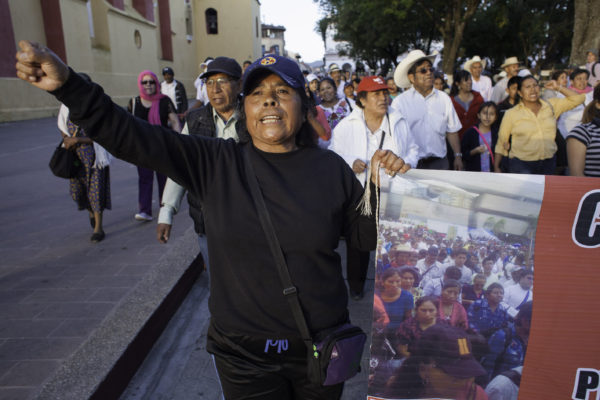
(69, 307)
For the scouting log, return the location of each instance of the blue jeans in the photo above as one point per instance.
(539, 167)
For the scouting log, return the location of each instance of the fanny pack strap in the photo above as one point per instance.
(289, 290)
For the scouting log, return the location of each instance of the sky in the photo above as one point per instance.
(299, 17)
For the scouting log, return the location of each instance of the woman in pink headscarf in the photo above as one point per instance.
(157, 109)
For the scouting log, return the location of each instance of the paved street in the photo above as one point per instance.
(56, 287)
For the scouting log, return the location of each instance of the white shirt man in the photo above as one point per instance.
(223, 83)
(516, 295)
(430, 113)
(481, 83)
(511, 67)
(429, 267)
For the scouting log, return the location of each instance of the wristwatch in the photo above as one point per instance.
(457, 154)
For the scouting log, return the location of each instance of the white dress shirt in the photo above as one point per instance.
(429, 118)
(483, 86)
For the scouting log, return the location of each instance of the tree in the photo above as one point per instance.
(450, 18)
(376, 31)
(535, 31)
(321, 29)
(586, 32)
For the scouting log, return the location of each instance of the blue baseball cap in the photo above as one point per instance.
(283, 67)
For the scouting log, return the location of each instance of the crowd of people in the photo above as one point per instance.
(474, 125)
(478, 292)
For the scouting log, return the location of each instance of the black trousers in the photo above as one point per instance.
(357, 264)
(264, 368)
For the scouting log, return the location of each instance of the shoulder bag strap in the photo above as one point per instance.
(524, 300)
(486, 142)
(290, 292)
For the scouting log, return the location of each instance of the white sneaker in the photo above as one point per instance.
(143, 217)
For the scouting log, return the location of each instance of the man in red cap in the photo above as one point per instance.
(356, 138)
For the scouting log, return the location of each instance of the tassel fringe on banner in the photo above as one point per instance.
(364, 207)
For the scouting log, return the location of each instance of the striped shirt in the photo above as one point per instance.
(589, 134)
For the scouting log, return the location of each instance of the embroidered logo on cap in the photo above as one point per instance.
(378, 80)
(463, 347)
(268, 61)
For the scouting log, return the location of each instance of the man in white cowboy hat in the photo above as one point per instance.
(481, 83)
(335, 72)
(429, 112)
(511, 67)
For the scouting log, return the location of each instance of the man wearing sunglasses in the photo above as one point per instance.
(429, 112)
(217, 119)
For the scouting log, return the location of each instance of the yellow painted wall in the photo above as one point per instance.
(111, 57)
(237, 37)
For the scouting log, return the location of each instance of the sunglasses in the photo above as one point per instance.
(425, 70)
(148, 83)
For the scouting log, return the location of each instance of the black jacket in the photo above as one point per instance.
(200, 121)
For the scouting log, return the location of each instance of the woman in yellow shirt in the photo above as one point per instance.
(528, 130)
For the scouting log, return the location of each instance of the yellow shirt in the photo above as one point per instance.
(533, 135)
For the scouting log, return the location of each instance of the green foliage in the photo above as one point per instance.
(377, 31)
(534, 30)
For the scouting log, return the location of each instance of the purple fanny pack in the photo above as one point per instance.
(336, 358)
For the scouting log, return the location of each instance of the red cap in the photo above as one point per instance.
(371, 84)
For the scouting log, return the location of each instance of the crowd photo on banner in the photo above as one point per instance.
(453, 286)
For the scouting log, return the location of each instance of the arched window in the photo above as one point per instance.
(212, 26)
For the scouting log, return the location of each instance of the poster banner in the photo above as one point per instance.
(454, 313)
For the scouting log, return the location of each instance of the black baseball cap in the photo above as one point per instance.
(450, 348)
(168, 70)
(223, 65)
(283, 67)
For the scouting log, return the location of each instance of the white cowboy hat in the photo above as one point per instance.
(401, 72)
(311, 77)
(334, 67)
(510, 61)
(476, 59)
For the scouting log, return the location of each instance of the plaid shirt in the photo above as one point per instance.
(485, 321)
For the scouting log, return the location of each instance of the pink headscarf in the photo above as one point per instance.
(153, 114)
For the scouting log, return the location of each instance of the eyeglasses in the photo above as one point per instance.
(218, 81)
(148, 83)
(425, 70)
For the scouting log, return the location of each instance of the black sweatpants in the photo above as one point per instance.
(264, 368)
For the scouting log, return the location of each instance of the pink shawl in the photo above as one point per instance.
(153, 114)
